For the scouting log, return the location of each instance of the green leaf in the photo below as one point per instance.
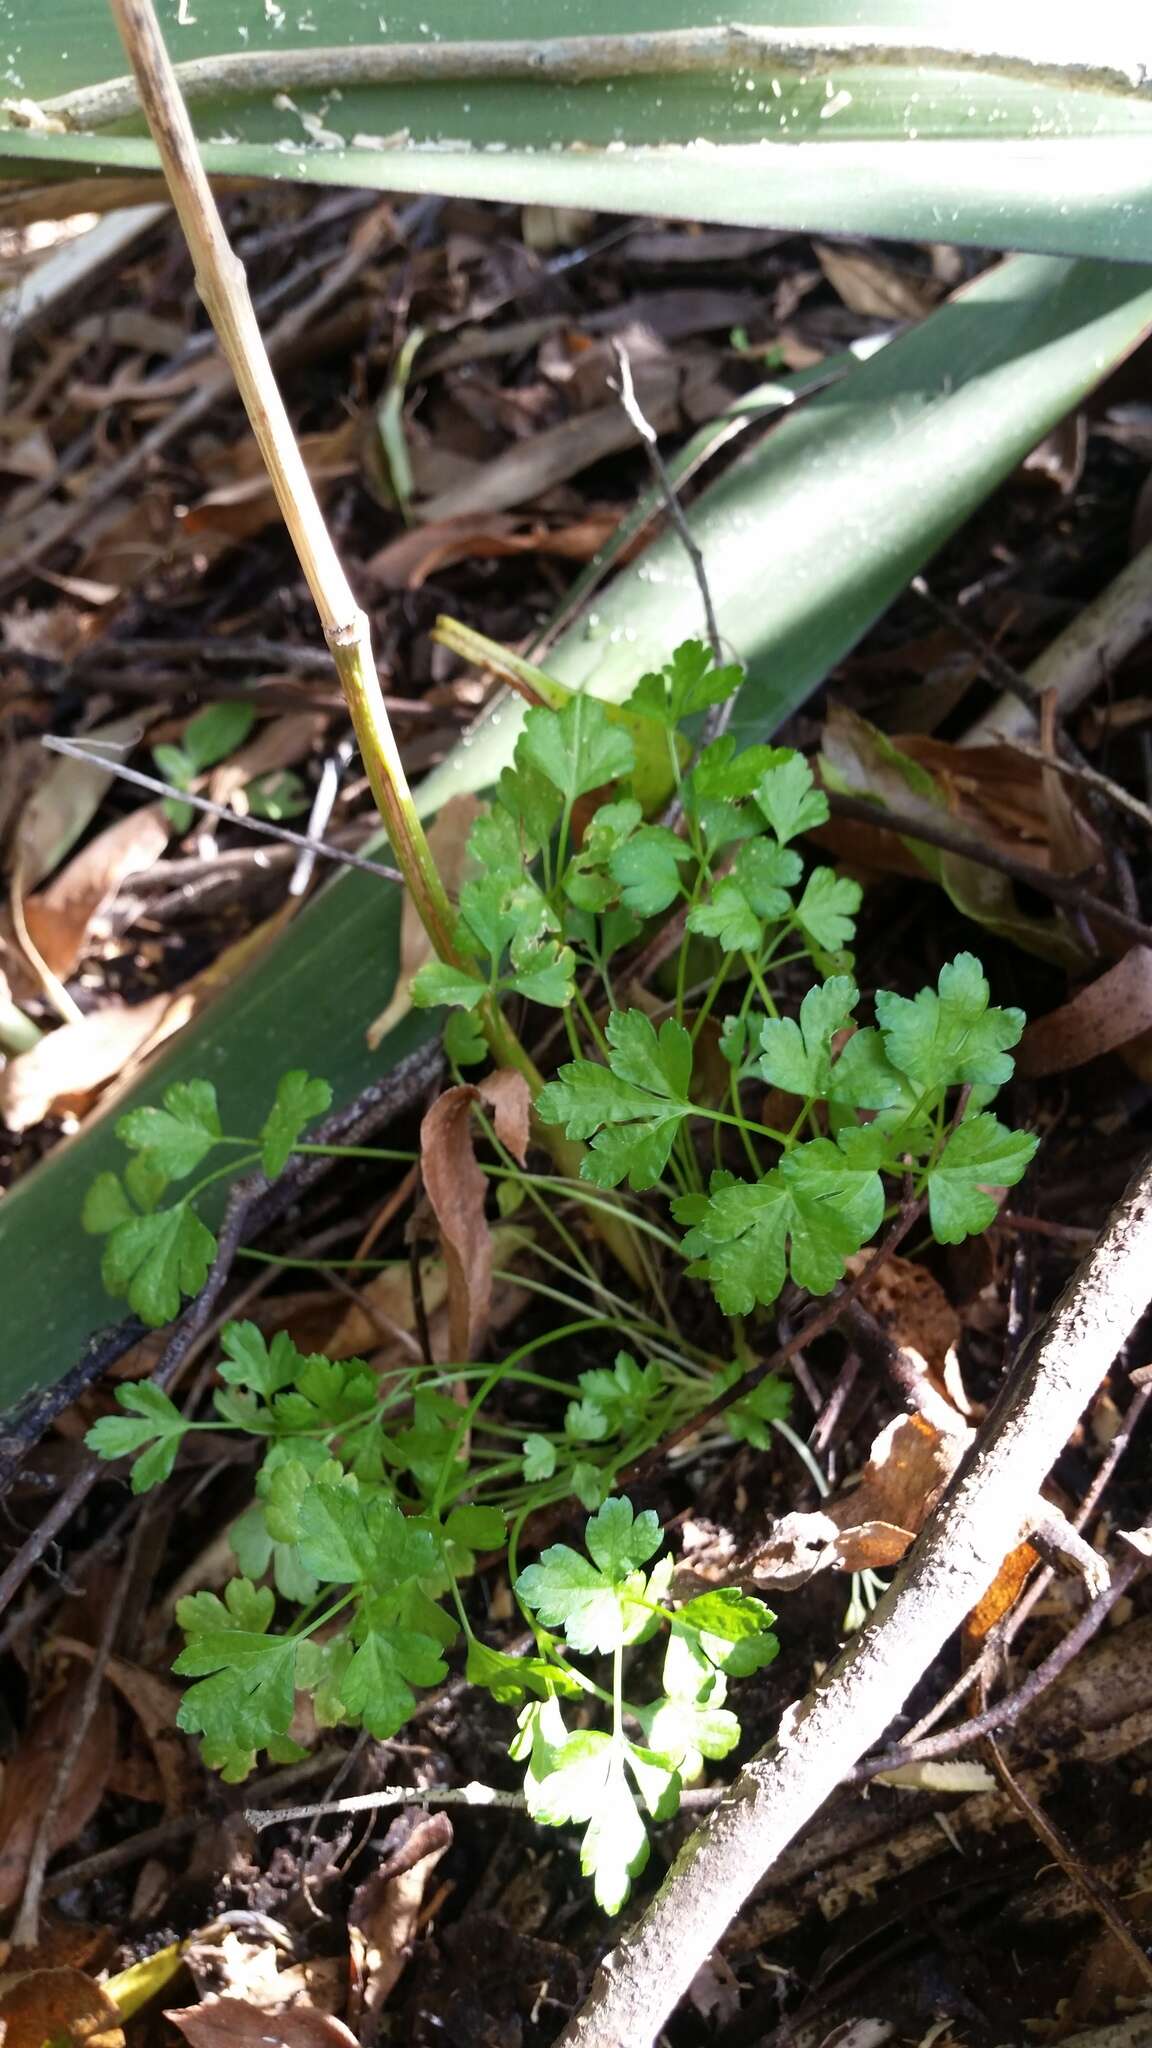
(544, 973)
(688, 1730)
(732, 1628)
(437, 984)
(614, 1401)
(568, 1592)
(980, 1153)
(827, 909)
(251, 1697)
(105, 1205)
(377, 1685)
(789, 799)
(528, 796)
(647, 868)
(464, 1042)
(512, 1680)
(641, 1097)
(727, 917)
(689, 683)
(595, 1603)
(539, 1458)
(578, 749)
(798, 1056)
(806, 1217)
(153, 1261)
(346, 1539)
(750, 1420)
(217, 732)
(151, 1424)
(180, 1135)
(947, 1037)
(250, 1361)
(585, 1782)
(299, 1100)
(477, 1528)
(620, 1541)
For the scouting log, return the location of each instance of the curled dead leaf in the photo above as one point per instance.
(383, 1918)
(457, 1190)
(1111, 1012)
(872, 1524)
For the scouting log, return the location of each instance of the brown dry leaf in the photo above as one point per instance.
(29, 1779)
(67, 799)
(982, 789)
(242, 502)
(913, 1307)
(155, 1703)
(528, 469)
(448, 839)
(1110, 1012)
(870, 1526)
(908, 1465)
(69, 1068)
(234, 2023)
(406, 563)
(457, 1190)
(383, 1917)
(61, 1075)
(57, 2006)
(873, 288)
(61, 917)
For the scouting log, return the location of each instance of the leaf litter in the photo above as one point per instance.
(522, 462)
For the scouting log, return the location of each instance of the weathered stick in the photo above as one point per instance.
(955, 1559)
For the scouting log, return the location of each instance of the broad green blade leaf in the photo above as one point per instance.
(1014, 126)
(807, 540)
(813, 532)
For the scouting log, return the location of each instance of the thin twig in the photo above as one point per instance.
(1086, 1882)
(1082, 771)
(1063, 889)
(1007, 1711)
(664, 484)
(318, 848)
(26, 1932)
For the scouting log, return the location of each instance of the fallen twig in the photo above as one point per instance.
(954, 1560)
(1063, 889)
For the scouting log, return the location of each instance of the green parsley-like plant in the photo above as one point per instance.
(376, 1491)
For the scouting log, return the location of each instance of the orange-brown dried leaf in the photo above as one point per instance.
(1001, 1596)
(63, 2007)
(457, 1190)
(1114, 1010)
(30, 1777)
